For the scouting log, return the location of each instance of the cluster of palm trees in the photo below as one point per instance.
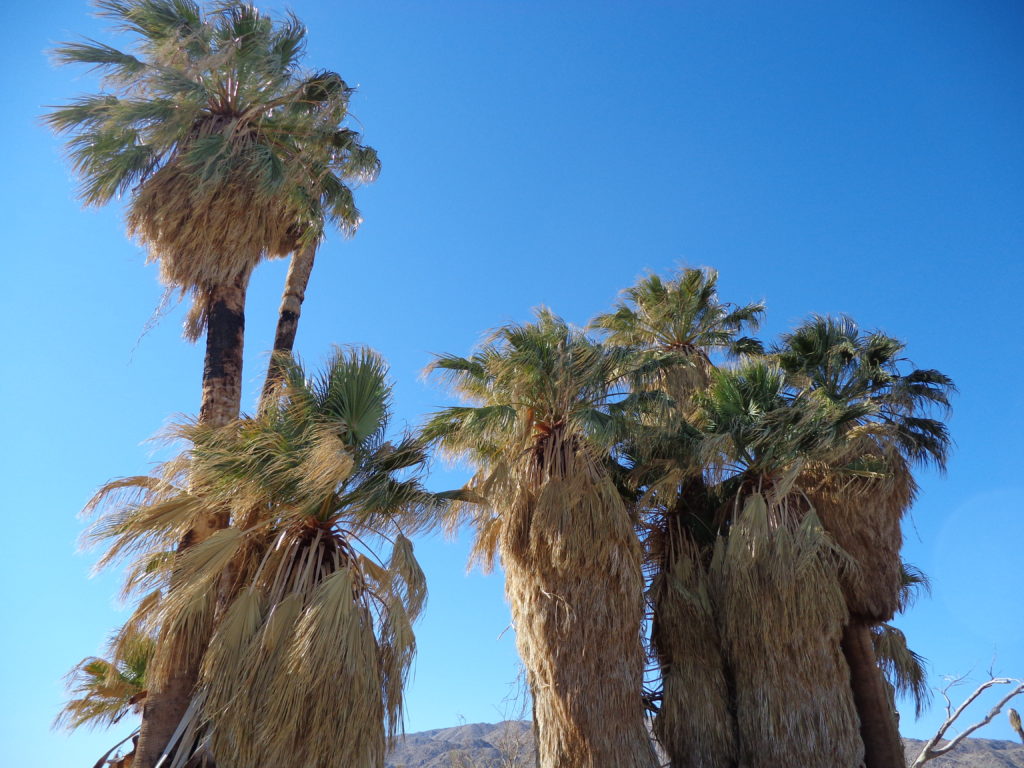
(695, 529)
(752, 505)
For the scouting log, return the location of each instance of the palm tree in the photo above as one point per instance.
(863, 489)
(228, 153)
(672, 329)
(306, 633)
(775, 572)
(539, 428)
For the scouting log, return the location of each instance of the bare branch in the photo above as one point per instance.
(932, 750)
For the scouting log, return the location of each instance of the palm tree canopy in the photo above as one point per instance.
(754, 423)
(229, 151)
(526, 382)
(857, 370)
(671, 329)
(682, 315)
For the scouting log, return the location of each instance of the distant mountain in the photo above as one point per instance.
(510, 745)
(973, 753)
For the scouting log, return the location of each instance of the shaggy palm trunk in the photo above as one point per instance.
(883, 747)
(864, 518)
(574, 584)
(781, 614)
(222, 395)
(695, 724)
(586, 657)
(299, 270)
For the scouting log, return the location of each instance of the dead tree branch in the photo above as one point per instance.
(932, 749)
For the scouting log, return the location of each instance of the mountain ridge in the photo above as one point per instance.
(509, 744)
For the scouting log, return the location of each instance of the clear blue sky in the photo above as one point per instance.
(861, 157)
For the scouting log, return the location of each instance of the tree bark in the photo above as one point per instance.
(222, 368)
(221, 401)
(299, 270)
(883, 747)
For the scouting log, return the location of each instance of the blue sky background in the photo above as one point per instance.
(864, 158)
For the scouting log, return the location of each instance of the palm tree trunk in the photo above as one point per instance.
(222, 368)
(696, 724)
(578, 631)
(883, 747)
(221, 401)
(299, 270)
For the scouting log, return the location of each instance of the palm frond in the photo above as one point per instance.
(905, 670)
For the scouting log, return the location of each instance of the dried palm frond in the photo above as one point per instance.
(904, 669)
(205, 236)
(571, 562)
(861, 503)
(695, 723)
(330, 639)
(105, 690)
(775, 584)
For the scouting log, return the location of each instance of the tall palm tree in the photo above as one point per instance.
(863, 489)
(306, 633)
(229, 153)
(673, 328)
(775, 574)
(539, 427)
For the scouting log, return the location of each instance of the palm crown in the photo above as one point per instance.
(860, 375)
(675, 326)
(229, 152)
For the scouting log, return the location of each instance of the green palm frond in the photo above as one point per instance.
(851, 368)
(914, 581)
(683, 314)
